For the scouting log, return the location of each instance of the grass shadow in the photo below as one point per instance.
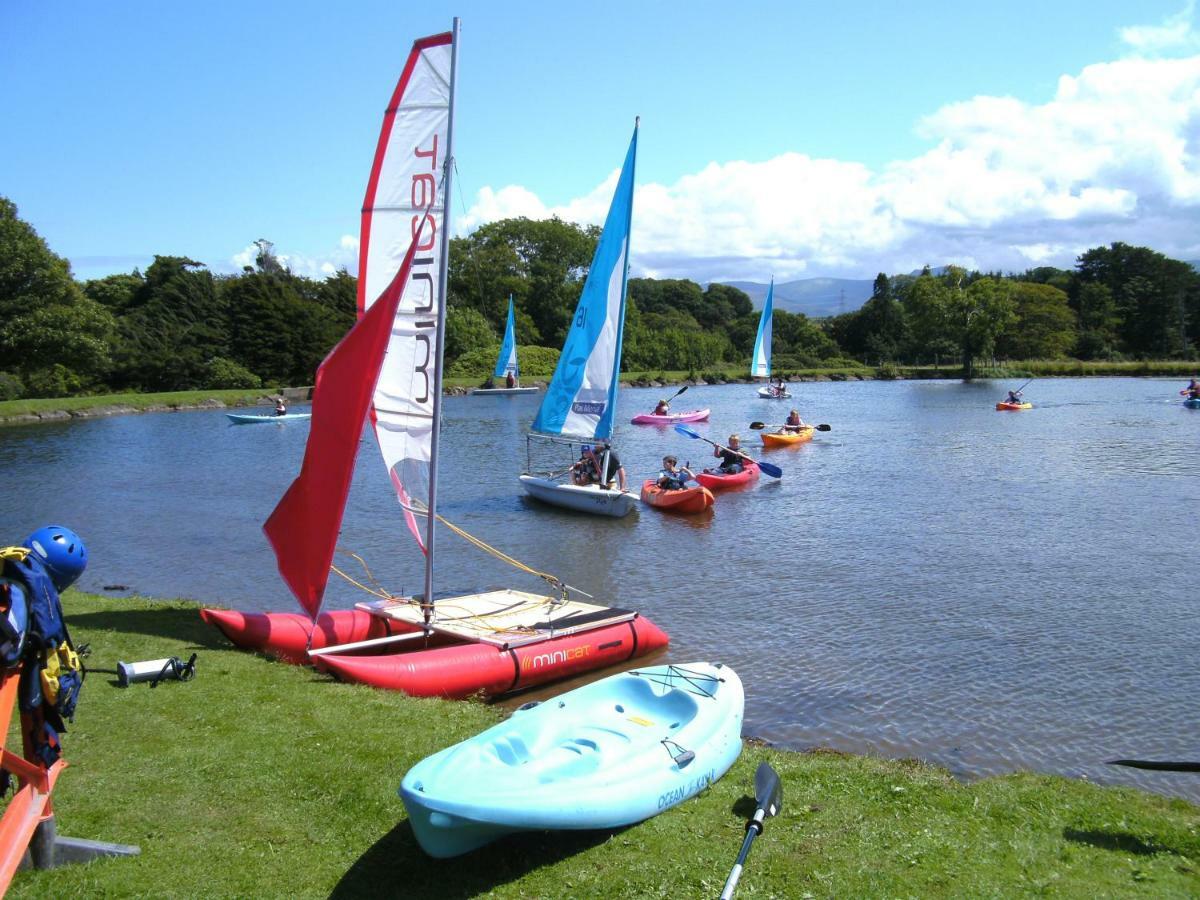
(174, 623)
(1119, 841)
(396, 864)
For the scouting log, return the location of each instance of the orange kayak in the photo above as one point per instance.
(1014, 406)
(688, 500)
(787, 439)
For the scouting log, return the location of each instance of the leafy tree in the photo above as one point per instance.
(467, 330)
(52, 336)
(927, 314)
(1044, 326)
(976, 314)
(1098, 321)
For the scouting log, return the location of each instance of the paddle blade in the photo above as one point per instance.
(768, 790)
(771, 469)
(687, 432)
(757, 426)
(680, 391)
(824, 427)
(1157, 765)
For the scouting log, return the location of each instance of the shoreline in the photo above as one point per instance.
(26, 412)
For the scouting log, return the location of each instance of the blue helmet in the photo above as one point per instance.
(61, 551)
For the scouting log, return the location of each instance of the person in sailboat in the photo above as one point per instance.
(777, 388)
(793, 423)
(280, 406)
(731, 457)
(674, 477)
(510, 380)
(591, 464)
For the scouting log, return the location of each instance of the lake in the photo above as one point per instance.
(983, 590)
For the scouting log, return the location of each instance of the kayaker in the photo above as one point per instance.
(731, 456)
(280, 407)
(662, 409)
(1192, 390)
(793, 423)
(673, 476)
(1014, 397)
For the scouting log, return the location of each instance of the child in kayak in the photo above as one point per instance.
(280, 407)
(793, 424)
(1013, 397)
(1192, 391)
(662, 409)
(731, 456)
(673, 476)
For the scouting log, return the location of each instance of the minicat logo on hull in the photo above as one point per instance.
(588, 407)
(555, 658)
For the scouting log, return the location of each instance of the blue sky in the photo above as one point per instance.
(787, 139)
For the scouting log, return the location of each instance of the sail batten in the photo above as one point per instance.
(581, 400)
(760, 362)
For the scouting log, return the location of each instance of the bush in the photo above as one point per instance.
(887, 372)
(11, 386)
(535, 362)
(225, 374)
(57, 381)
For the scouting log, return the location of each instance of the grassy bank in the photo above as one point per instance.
(113, 404)
(261, 779)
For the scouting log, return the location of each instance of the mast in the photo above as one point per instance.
(443, 274)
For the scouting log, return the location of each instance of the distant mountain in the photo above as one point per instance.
(1194, 263)
(815, 297)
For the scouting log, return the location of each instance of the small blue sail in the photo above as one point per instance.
(760, 362)
(581, 400)
(507, 360)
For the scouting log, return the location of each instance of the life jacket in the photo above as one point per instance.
(53, 674)
(14, 622)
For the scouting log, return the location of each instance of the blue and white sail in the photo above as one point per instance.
(581, 400)
(760, 362)
(506, 362)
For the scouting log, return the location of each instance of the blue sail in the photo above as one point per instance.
(507, 360)
(581, 400)
(760, 362)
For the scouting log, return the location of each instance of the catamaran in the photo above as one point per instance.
(580, 406)
(388, 367)
(506, 362)
(760, 361)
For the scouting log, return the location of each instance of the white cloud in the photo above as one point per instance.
(1113, 155)
(1175, 33)
(344, 256)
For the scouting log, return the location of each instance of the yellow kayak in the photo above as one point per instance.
(787, 439)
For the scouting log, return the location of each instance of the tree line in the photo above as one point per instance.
(178, 326)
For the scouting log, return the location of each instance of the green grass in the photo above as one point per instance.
(131, 401)
(262, 779)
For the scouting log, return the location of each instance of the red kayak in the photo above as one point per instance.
(715, 481)
(469, 669)
(686, 500)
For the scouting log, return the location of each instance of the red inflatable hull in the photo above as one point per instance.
(285, 635)
(466, 670)
(454, 671)
(720, 482)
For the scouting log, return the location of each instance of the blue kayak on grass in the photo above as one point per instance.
(605, 755)
(245, 419)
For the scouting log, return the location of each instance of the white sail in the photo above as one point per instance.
(406, 201)
(760, 362)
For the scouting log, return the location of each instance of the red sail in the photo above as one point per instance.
(303, 529)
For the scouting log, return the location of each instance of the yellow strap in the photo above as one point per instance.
(17, 553)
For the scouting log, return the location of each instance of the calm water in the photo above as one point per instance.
(932, 578)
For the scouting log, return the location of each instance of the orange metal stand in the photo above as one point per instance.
(30, 806)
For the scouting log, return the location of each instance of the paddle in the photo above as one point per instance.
(772, 470)
(1017, 392)
(759, 426)
(1156, 765)
(676, 394)
(768, 794)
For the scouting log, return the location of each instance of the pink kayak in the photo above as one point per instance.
(696, 415)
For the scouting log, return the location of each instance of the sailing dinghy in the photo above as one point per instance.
(605, 755)
(389, 367)
(506, 362)
(580, 405)
(760, 361)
